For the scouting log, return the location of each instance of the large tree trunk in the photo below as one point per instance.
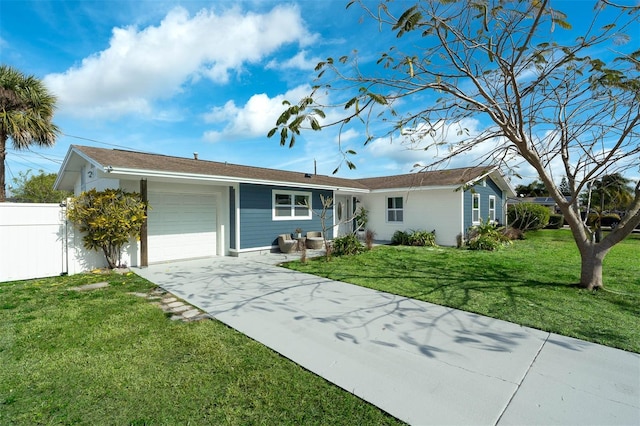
(591, 267)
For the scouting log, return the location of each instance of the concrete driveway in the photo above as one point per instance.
(424, 364)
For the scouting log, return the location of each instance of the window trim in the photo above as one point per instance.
(475, 196)
(492, 211)
(393, 209)
(292, 206)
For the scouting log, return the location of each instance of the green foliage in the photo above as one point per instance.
(612, 192)
(110, 219)
(26, 111)
(487, 236)
(422, 238)
(37, 189)
(556, 221)
(347, 245)
(534, 189)
(400, 238)
(564, 187)
(418, 238)
(528, 216)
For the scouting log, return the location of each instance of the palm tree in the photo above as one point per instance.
(611, 192)
(26, 110)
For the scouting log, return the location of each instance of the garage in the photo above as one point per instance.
(181, 225)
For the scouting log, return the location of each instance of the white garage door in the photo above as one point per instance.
(181, 226)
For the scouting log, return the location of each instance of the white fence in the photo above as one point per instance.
(36, 242)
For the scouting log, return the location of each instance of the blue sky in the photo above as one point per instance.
(177, 77)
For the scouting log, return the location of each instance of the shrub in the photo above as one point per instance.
(418, 238)
(422, 238)
(486, 236)
(528, 216)
(109, 218)
(400, 238)
(556, 221)
(484, 242)
(347, 245)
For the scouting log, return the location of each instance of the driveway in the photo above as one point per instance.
(422, 363)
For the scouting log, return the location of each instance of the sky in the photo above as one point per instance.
(177, 77)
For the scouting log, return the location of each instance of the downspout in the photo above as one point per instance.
(505, 202)
(144, 248)
(65, 240)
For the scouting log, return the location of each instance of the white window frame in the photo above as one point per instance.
(475, 211)
(492, 208)
(292, 206)
(394, 209)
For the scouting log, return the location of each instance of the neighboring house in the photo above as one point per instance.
(203, 208)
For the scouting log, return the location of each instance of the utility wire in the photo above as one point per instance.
(96, 141)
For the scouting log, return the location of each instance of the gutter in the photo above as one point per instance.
(222, 179)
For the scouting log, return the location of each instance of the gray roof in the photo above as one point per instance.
(451, 177)
(121, 160)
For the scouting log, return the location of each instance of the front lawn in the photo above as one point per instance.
(108, 357)
(529, 283)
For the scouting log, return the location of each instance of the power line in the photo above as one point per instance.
(96, 141)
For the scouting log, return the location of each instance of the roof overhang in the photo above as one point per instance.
(498, 177)
(71, 168)
(117, 172)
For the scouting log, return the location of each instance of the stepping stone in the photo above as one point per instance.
(90, 286)
(181, 308)
(169, 300)
(175, 304)
(190, 314)
(201, 317)
(138, 294)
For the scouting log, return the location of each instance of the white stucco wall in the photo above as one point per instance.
(439, 209)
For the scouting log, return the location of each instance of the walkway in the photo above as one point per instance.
(422, 363)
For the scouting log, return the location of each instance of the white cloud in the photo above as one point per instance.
(142, 65)
(254, 119)
(299, 61)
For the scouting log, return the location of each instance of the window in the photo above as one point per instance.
(492, 208)
(394, 209)
(291, 205)
(475, 209)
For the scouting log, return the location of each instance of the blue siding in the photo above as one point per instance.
(257, 227)
(232, 217)
(485, 192)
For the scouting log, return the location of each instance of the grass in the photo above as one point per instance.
(108, 357)
(531, 283)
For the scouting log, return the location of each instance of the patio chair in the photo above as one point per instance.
(314, 240)
(286, 243)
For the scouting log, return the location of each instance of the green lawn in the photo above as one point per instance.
(529, 283)
(108, 357)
